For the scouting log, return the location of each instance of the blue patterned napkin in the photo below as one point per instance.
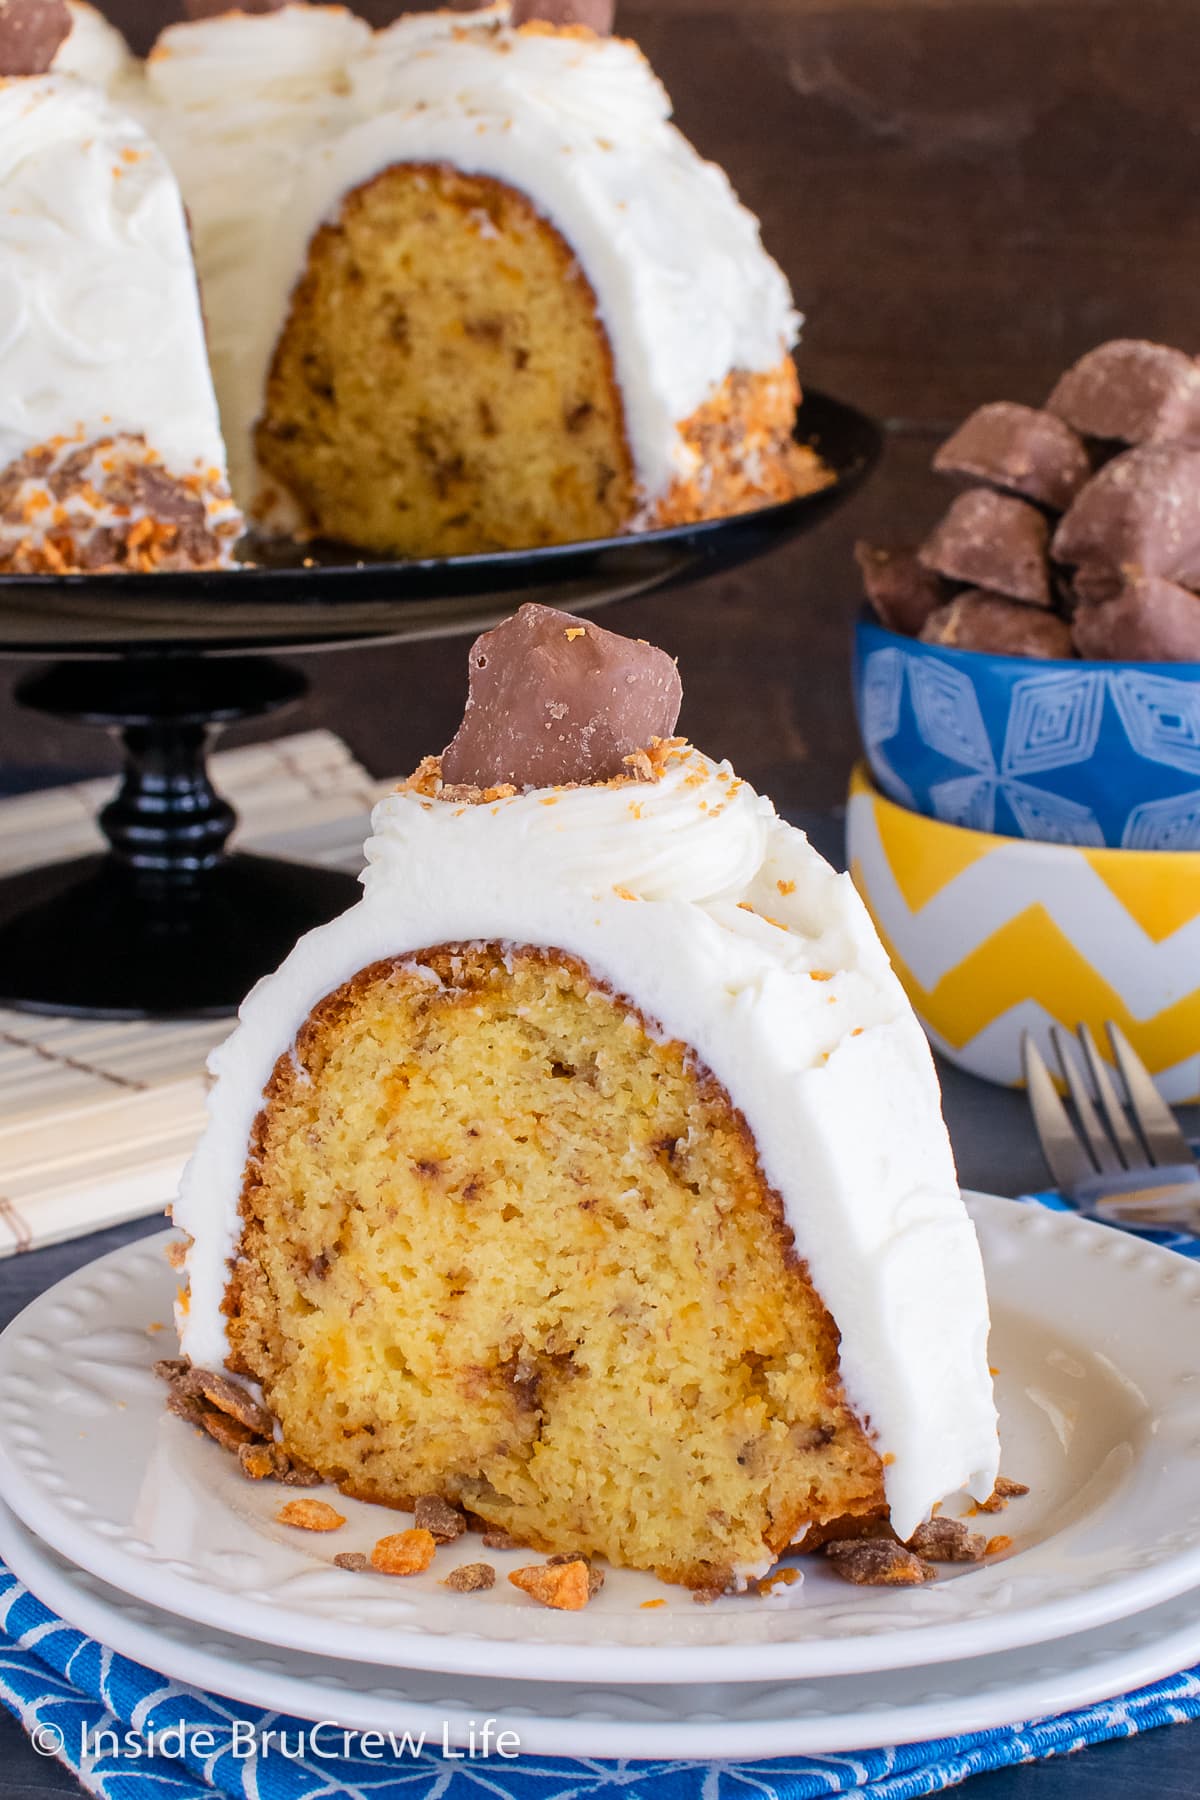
(67, 1690)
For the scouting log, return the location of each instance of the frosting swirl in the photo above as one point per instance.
(696, 833)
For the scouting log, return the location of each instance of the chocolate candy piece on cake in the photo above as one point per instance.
(992, 541)
(1139, 516)
(554, 699)
(30, 33)
(1149, 619)
(898, 585)
(1018, 448)
(212, 9)
(980, 621)
(1132, 391)
(596, 15)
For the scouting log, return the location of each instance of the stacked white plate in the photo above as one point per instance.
(143, 1534)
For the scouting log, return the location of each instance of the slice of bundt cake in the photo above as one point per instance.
(467, 286)
(589, 1173)
(110, 450)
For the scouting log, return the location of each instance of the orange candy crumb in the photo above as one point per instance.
(563, 1586)
(310, 1515)
(780, 1578)
(404, 1552)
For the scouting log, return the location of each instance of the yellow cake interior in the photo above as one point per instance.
(442, 383)
(503, 1244)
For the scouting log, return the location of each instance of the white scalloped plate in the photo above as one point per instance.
(1096, 1337)
(747, 1720)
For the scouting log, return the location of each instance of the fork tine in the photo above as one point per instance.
(1155, 1120)
(1066, 1159)
(1129, 1148)
(1103, 1155)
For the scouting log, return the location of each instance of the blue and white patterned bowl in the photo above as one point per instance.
(1062, 752)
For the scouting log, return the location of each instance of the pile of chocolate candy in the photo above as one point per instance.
(1080, 532)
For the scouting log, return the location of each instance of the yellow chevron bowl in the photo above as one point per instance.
(993, 936)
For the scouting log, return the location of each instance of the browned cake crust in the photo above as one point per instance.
(747, 454)
(109, 505)
(504, 1244)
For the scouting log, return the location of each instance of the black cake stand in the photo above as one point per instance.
(166, 922)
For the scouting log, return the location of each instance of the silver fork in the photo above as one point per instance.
(1126, 1167)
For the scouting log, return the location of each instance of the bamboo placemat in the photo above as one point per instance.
(98, 1117)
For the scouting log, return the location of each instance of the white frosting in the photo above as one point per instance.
(270, 120)
(694, 899)
(100, 326)
(94, 50)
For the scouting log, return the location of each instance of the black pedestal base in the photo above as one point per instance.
(98, 939)
(165, 924)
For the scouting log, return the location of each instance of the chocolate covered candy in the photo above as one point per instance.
(555, 699)
(597, 15)
(212, 9)
(1091, 585)
(1018, 448)
(1131, 390)
(992, 541)
(30, 34)
(979, 621)
(1123, 563)
(901, 589)
(1139, 516)
(1147, 620)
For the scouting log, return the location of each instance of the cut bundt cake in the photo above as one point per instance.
(589, 1174)
(110, 450)
(467, 287)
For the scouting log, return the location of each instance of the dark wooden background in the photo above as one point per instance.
(965, 194)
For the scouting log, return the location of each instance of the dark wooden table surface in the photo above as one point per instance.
(966, 194)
